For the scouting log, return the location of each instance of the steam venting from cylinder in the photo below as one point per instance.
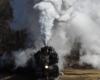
(59, 23)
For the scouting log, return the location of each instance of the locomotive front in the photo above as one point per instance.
(46, 63)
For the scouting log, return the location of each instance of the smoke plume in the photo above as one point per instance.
(47, 15)
(58, 23)
(77, 18)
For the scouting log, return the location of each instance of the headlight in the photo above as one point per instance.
(46, 66)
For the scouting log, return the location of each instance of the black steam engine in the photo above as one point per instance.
(46, 63)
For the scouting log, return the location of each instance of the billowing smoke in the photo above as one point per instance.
(47, 15)
(77, 19)
(58, 23)
(22, 56)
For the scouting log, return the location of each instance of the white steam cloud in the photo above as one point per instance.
(47, 15)
(58, 23)
(21, 57)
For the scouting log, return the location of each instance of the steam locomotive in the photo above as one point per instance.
(46, 63)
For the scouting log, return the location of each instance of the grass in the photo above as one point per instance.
(69, 74)
(80, 74)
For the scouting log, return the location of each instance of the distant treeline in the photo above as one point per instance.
(9, 39)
